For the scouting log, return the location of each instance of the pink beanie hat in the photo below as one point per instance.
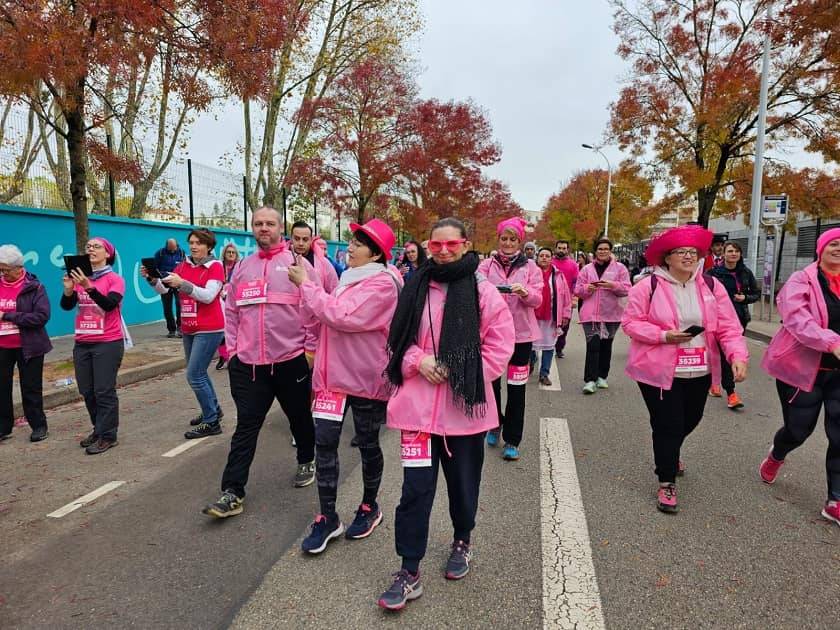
(106, 244)
(825, 238)
(517, 224)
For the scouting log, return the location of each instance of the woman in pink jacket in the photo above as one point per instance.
(451, 336)
(520, 282)
(676, 317)
(354, 323)
(804, 358)
(600, 286)
(553, 315)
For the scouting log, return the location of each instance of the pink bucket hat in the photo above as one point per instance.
(517, 224)
(825, 238)
(380, 233)
(682, 236)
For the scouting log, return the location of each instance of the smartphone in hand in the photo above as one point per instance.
(694, 330)
(504, 288)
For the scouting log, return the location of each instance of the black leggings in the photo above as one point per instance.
(674, 414)
(800, 411)
(368, 416)
(512, 421)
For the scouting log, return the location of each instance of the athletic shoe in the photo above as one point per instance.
(493, 438)
(831, 511)
(171, 334)
(667, 499)
(229, 504)
(589, 388)
(458, 564)
(100, 446)
(200, 418)
(91, 439)
(680, 468)
(305, 474)
(204, 429)
(714, 390)
(406, 586)
(544, 380)
(220, 364)
(601, 383)
(179, 334)
(323, 531)
(733, 401)
(770, 468)
(367, 518)
(39, 434)
(510, 453)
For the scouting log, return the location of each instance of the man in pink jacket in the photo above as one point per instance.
(312, 248)
(271, 342)
(566, 265)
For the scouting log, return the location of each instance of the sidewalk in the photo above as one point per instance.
(153, 354)
(763, 330)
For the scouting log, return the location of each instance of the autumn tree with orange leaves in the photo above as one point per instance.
(691, 99)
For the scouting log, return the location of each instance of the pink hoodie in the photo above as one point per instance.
(522, 309)
(796, 350)
(646, 319)
(603, 305)
(263, 334)
(351, 355)
(420, 406)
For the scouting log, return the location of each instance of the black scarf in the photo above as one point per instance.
(459, 346)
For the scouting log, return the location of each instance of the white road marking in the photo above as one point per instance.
(553, 376)
(185, 446)
(81, 501)
(571, 598)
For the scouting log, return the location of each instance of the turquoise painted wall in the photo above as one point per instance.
(45, 236)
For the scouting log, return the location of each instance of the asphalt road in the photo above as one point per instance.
(738, 555)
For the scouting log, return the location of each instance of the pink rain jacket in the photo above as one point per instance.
(326, 272)
(605, 304)
(351, 355)
(420, 406)
(563, 297)
(646, 319)
(262, 334)
(522, 309)
(796, 350)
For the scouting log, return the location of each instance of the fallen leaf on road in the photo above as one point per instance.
(663, 581)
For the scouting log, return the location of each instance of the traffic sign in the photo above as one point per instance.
(774, 208)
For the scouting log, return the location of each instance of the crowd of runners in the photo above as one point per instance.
(439, 347)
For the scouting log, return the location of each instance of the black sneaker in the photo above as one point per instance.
(39, 434)
(323, 531)
(203, 430)
(458, 564)
(220, 364)
(100, 446)
(305, 475)
(171, 335)
(91, 439)
(406, 586)
(367, 518)
(229, 504)
(200, 418)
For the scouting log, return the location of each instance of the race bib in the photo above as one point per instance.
(253, 292)
(518, 374)
(691, 359)
(415, 449)
(329, 406)
(90, 321)
(8, 328)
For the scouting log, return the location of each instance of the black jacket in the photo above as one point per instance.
(738, 280)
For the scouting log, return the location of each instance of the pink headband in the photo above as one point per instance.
(517, 224)
(106, 244)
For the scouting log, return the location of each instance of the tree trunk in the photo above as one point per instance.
(77, 152)
(705, 203)
(140, 198)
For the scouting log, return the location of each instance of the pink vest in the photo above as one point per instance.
(93, 325)
(197, 317)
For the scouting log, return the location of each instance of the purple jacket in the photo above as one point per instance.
(31, 315)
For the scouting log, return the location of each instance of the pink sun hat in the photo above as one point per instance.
(682, 236)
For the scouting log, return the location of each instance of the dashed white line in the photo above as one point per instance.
(81, 501)
(571, 598)
(185, 446)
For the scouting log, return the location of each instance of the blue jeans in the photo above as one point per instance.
(545, 362)
(198, 351)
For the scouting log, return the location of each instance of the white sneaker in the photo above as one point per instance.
(601, 383)
(589, 388)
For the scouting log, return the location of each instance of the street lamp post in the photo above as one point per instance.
(609, 187)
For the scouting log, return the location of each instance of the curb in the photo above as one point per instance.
(126, 377)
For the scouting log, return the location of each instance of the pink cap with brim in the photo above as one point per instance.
(682, 236)
(106, 244)
(517, 224)
(380, 233)
(825, 238)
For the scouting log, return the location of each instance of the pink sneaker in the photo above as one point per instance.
(667, 499)
(769, 468)
(831, 511)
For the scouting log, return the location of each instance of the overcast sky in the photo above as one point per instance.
(545, 72)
